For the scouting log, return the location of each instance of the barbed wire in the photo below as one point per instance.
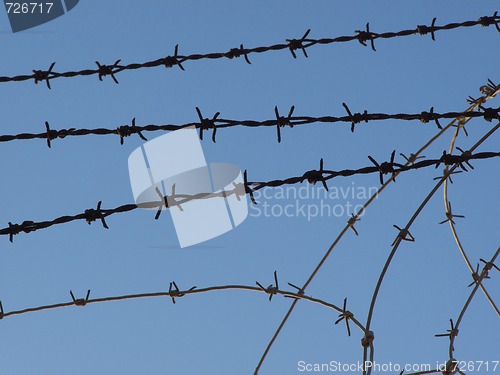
(312, 176)
(459, 123)
(389, 168)
(488, 266)
(452, 365)
(206, 124)
(174, 293)
(405, 235)
(450, 215)
(293, 45)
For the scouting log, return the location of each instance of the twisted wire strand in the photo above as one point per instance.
(450, 215)
(404, 234)
(293, 45)
(312, 176)
(205, 124)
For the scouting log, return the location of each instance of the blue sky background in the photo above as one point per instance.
(226, 332)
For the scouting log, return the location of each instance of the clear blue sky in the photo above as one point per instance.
(226, 332)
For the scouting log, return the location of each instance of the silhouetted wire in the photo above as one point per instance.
(313, 176)
(356, 217)
(493, 90)
(405, 235)
(173, 293)
(205, 124)
(362, 36)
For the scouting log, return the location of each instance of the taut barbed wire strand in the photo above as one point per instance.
(452, 365)
(487, 94)
(312, 176)
(405, 235)
(362, 36)
(205, 124)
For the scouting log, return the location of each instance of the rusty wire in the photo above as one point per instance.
(214, 123)
(173, 293)
(292, 45)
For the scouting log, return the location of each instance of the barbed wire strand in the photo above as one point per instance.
(425, 372)
(362, 36)
(311, 176)
(452, 363)
(173, 293)
(356, 217)
(492, 90)
(205, 124)
(484, 274)
(405, 235)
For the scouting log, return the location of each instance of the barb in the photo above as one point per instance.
(450, 215)
(451, 333)
(204, 124)
(108, 70)
(80, 301)
(295, 44)
(125, 131)
(345, 315)
(362, 36)
(282, 121)
(357, 117)
(174, 291)
(271, 289)
(91, 215)
(386, 167)
(424, 30)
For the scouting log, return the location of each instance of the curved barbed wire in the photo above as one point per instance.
(173, 293)
(493, 91)
(205, 124)
(356, 217)
(292, 45)
(483, 275)
(312, 176)
(453, 332)
(405, 235)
